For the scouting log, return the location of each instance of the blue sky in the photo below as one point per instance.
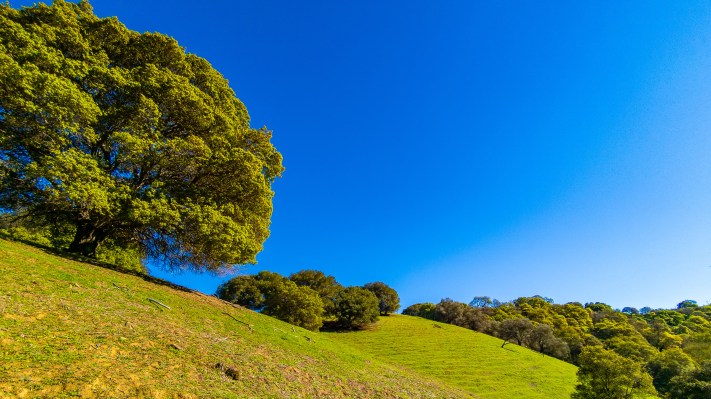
(454, 149)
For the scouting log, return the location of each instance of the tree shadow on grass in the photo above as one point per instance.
(94, 262)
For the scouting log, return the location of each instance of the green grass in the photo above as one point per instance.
(472, 361)
(72, 329)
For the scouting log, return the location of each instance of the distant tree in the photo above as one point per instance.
(545, 298)
(356, 308)
(269, 281)
(689, 303)
(598, 307)
(542, 339)
(242, 290)
(388, 299)
(124, 136)
(604, 374)
(326, 286)
(298, 305)
(630, 310)
(667, 365)
(451, 312)
(694, 384)
(481, 302)
(425, 310)
(276, 296)
(645, 310)
(514, 330)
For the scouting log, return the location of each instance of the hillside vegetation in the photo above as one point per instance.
(470, 360)
(70, 329)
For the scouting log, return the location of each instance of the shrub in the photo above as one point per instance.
(356, 307)
(326, 286)
(388, 299)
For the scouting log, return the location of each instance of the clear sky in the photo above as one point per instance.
(464, 148)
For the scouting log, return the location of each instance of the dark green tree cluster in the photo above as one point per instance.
(110, 137)
(277, 296)
(309, 298)
(667, 346)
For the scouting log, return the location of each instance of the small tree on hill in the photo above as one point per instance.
(326, 286)
(388, 299)
(356, 307)
(514, 330)
(425, 310)
(603, 374)
(693, 384)
(242, 290)
(274, 295)
(667, 365)
(295, 304)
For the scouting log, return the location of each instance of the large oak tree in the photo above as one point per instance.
(125, 136)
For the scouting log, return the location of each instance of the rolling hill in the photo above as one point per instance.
(72, 329)
(463, 358)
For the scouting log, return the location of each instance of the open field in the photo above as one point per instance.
(464, 358)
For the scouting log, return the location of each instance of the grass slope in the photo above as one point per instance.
(70, 329)
(464, 358)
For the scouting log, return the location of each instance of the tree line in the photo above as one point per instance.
(620, 353)
(310, 299)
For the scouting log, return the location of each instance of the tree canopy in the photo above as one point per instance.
(124, 136)
(604, 374)
(388, 299)
(326, 286)
(356, 308)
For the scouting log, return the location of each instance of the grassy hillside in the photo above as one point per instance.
(464, 358)
(69, 329)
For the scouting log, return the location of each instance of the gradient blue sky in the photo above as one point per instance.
(461, 148)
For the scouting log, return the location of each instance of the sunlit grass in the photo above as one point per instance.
(70, 329)
(472, 361)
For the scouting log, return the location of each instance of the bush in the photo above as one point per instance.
(425, 310)
(298, 305)
(276, 296)
(605, 374)
(356, 307)
(242, 290)
(388, 299)
(326, 286)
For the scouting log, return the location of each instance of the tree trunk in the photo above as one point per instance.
(87, 239)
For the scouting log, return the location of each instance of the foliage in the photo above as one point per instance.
(652, 337)
(277, 296)
(693, 384)
(326, 286)
(603, 374)
(542, 339)
(514, 330)
(484, 302)
(688, 303)
(298, 305)
(124, 136)
(425, 310)
(127, 256)
(356, 308)
(388, 299)
(242, 290)
(667, 365)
